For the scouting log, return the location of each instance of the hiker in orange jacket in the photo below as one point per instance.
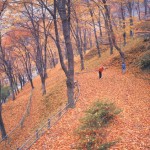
(100, 70)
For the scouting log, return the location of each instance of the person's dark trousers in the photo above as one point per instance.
(100, 74)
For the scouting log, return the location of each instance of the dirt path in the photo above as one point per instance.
(130, 94)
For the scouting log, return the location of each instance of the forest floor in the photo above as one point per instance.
(127, 92)
(130, 93)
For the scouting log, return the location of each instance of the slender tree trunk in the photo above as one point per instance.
(23, 80)
(80, 48)
(146, 6)
(131, 18)
(20, 80)
(31, 83)
(53, 59)
(49, 59)
(79, 42)
(43, 86)
(85, 41)
(109, 36)
(112, 32)
(124, 24)
(2, 127)
(29, 76)
(80, 37)
(110, 44)
(96, 39)
(139, 10)
(90, 39)
(15, 82)
(99, 23)
(11, 87)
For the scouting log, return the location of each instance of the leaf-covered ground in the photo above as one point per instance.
(129, 93)
(41, 108)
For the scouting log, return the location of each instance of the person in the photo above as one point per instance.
(100, 70)
(123, 68)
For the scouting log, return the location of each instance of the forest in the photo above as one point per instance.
(54, 93)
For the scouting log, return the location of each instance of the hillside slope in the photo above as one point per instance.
(42, 107)
(113, 86)
(127, 92)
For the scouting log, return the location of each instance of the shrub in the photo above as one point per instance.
(145, 62)
(92, 131)
(5, 93)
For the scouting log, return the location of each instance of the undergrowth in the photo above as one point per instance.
(145, 61)
(93, 130)
(137, 55)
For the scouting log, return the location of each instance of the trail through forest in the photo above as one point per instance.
(127, 92)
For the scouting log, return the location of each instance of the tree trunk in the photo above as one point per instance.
(66, 32)
(64, 10)
(124, 24)
(79, 41)
(20, 80)
(43, 86)
(146, 6)
(82, 61)
(131, 18)
(109, 35)
(90, 39)
(85, 41)
(96, 39)
(70, 91)
(53, 59)
(29, 76)
(79, 46)
(11, 87)
(31, 83)
(138, 9)
(80, 38)
(99, 23)
(23, 80)
(112, 32)
(2, 127)
(16, 85)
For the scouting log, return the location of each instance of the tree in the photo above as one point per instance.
(7, 65)
(123, 20)
(130, 5)
(24, 52)
(93, 22)
(65, 18)
(146, 6)
(78, 38)
(107, 13)
(39, 28)
(64, 10)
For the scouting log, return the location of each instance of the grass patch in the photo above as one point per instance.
(56, 91)
(143, 26)
(93, 52)
(134, 52)
(56, 97)
(144, 62)
(93, 130)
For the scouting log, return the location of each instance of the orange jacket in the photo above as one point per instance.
(101, 69)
